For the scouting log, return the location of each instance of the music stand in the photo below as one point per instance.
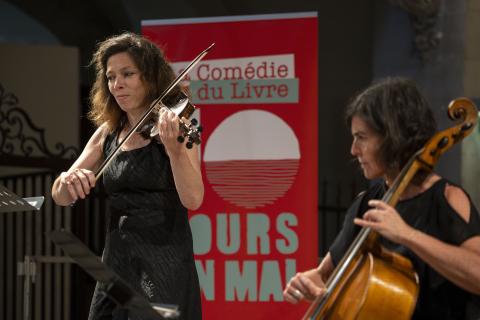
(10, 202)
(116, 288)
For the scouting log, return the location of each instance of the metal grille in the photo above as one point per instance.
(334, 200)
(36, 280)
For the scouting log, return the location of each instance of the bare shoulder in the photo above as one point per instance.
(98, 138)
(100, 134)
(458, 200)
(92, 154)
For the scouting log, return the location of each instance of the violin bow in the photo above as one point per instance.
(177, 80)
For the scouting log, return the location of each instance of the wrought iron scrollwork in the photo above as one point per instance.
(19, 136)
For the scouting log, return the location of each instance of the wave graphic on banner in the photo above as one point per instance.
(251, 183)
(252, 158)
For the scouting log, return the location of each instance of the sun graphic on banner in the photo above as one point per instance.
(252, 158)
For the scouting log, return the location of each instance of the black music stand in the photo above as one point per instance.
(116, 288)
(10, 202)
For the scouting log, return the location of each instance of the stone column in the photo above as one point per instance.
(471, 80)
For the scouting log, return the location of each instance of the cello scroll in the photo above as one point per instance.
(462, 109)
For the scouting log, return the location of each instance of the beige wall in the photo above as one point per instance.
(45, 79)
(471, 145)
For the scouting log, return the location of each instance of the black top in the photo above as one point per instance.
(148, 240)
(428, 212)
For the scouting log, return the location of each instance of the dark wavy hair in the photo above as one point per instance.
(155, 71)
(395, 109)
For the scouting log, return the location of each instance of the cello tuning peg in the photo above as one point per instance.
(194, 121)
(189, 145)
(181, 139)
(466, 126)
(442, 143)
(200, 129)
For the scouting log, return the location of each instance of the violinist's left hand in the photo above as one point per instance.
(169, 130)
(384, 219)
(185, 163)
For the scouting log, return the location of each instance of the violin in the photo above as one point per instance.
(371, 282)
(181, 106)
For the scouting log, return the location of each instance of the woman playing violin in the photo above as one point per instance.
(434, 224)
(150, 184)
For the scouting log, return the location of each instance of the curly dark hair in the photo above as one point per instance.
(155, 71)
(395, 109)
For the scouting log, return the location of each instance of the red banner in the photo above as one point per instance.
(257, 92)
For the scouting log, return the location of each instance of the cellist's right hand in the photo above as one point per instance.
(78, 182)
(306, 285)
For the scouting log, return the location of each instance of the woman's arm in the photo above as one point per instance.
(459, 264)
(79, 179)
(185, 162)
(309, 284)
(188, 178)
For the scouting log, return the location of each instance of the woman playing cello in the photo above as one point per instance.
(434, 224)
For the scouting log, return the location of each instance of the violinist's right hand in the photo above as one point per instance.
(78, 182)
(306, 285)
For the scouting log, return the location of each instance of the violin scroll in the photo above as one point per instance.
(184, 109)
(188, 128)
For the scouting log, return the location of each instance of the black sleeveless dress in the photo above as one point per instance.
(431, 213)
(148, 241)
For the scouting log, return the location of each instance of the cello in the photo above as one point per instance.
(370, 281)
